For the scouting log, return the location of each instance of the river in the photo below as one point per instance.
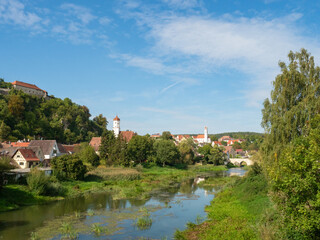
(169, 209)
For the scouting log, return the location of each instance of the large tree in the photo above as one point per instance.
(139, 148)
(290, 149)
(166, 152)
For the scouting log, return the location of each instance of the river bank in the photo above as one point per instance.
(89, 216)
(122, 182)
(235, 212)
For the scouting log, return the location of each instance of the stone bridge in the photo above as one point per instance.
(241, 161)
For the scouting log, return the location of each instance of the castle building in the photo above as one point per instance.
(29, 89)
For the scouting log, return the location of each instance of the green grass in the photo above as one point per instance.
(122, 182)
(235, 212)
(14, 196)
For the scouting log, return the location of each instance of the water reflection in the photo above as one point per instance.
(170, 209)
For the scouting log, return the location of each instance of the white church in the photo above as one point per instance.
(202, 138)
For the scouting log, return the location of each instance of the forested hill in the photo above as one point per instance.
(23, 116)
(242, 135)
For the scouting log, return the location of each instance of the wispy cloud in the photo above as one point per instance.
(150, 64)
(183, 4)
(14, 12)
(81, 13)
(252, 46)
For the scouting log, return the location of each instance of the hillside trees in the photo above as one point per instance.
(28, 116)
(291, 146)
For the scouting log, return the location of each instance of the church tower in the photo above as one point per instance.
(116, 126)
(205, 135)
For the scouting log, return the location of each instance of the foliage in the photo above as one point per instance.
(166, 135)
(145, 221)
(290, 150)
(139, 148)
(68, 167)
(166, 152)
(4, 84)
(25, 115)
(4, 131)
(186, 150)
(235, 211)
(296, 182)
(4, 166)
(217, 156)
(107, 141)
(214, 155)
(205, 151)
(37, 181)
(88, 155)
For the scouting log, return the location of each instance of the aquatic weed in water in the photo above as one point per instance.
(98, 229)
(90, 212)
(34, 236)
(144, 222)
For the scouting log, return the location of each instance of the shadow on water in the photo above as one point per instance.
(169, 209)
(10, 224)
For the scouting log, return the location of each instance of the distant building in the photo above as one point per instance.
(25, 158)
(49, 148)
(225, 139)
(116, 126)
(216, 143)
(125, 135)
(202, 138)
(29, 89)
(156, 135)
(95, 144)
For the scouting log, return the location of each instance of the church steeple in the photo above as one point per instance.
(116, 126)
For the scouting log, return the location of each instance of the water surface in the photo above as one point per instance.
(169, 209)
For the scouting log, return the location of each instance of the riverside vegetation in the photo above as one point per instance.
(280, 196)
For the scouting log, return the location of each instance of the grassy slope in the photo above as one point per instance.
(234, 213)
(122, 182)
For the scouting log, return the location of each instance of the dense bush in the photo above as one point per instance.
(37, 181)
(68, 167)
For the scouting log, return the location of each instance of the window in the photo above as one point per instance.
(21, 163)
(18, 156)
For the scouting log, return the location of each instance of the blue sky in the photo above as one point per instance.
(176, 65)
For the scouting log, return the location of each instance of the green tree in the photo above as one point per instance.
(107, 141)
(88, 155)
(4, 167)
(4, 131)
(205, 151)
(15, 105)
(166, 135)
(118, 154)
(166, 152)
(186, 151)
(291, 145)
(217, 156)
(140, 148)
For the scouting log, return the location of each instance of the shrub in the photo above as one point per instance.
(37, 181)
(68, 167)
